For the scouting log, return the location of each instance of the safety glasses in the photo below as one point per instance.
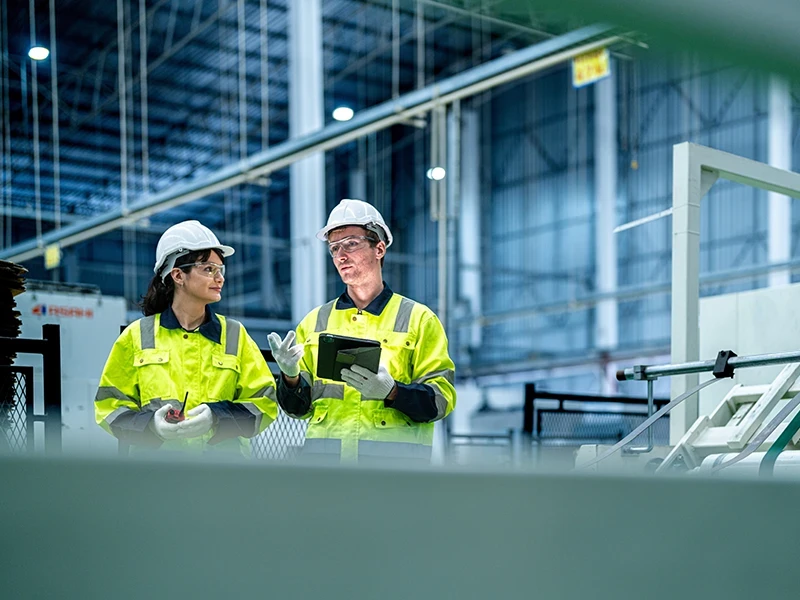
(349, 244)
(208, 269)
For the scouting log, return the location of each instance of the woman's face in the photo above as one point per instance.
(204, 281)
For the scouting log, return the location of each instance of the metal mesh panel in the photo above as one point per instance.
(13, 416)
(571, 427)
(282, 440)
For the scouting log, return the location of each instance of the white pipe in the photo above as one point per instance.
(54, 103)
(787, 463)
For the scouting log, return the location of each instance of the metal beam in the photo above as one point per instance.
(779, 145)
(605, 178)
(471, 82)
(695, 169)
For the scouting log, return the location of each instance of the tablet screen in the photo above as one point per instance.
(337, 352)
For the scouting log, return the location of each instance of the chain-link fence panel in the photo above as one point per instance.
(573, 427)
(282, 440)
(15, 392)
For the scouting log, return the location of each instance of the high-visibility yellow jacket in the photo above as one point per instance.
(413, 349)
(155, 361)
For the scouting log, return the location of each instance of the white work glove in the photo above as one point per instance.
(198, 421)
(163, 429)
(373, 386)
(286, 353)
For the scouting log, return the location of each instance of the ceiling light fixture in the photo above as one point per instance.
(436, 173)
(38, 53)
(343, 113)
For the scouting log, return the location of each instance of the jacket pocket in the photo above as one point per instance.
(397, 355)
(224, 377)
(152, 371)
(319, 423)
(390, 418)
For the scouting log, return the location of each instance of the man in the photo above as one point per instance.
(388, 414)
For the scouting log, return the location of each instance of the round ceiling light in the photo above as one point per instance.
(343, 113)
(38, 53)
(436, 173)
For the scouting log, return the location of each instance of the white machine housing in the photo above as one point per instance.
(90, 323)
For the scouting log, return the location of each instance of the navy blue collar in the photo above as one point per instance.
(375, 307)
(210, 329)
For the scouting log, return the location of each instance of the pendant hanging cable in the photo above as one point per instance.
(130, 143)
(37, 182)
(264, 24)
(242, 190)
(54, 103)
(226, 136)
(143, 91)
(420, 25)
(242, 81)
(123, 125)
(5, 137)
(395, 48)
(128, 291)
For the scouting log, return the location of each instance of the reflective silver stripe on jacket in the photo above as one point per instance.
(120, 411)
(151, 406)
(393, 450)
(268, 391)
(232, 329)
(403, 318)
(448, 374)
(441, 402)
(107, 392)
(155, 403)
(147, 329)
(323, 315)
(256, 413)
(327, 390)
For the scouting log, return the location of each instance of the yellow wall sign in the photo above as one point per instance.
(590, 67)
(52, 256)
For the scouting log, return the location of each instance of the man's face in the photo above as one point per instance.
(359, 264)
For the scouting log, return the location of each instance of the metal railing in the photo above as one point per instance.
(571, 422)
(49, 347)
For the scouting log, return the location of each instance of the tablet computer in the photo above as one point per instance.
(337, 352)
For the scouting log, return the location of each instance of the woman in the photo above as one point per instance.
(184, 377)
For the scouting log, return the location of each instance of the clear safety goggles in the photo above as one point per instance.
(208, 269)
(349, 244)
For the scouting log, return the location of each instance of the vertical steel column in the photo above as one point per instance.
(307, 176)
(527, 421)
(51, 369)
(780, 155)
(605, 182)
(470, 253)
(689, 184)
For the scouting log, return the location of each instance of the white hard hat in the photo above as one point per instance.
(356, 212)
(182, 238)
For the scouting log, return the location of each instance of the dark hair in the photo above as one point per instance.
(160, 291)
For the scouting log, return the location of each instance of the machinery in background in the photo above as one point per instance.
(90, 323)
(747, 432)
